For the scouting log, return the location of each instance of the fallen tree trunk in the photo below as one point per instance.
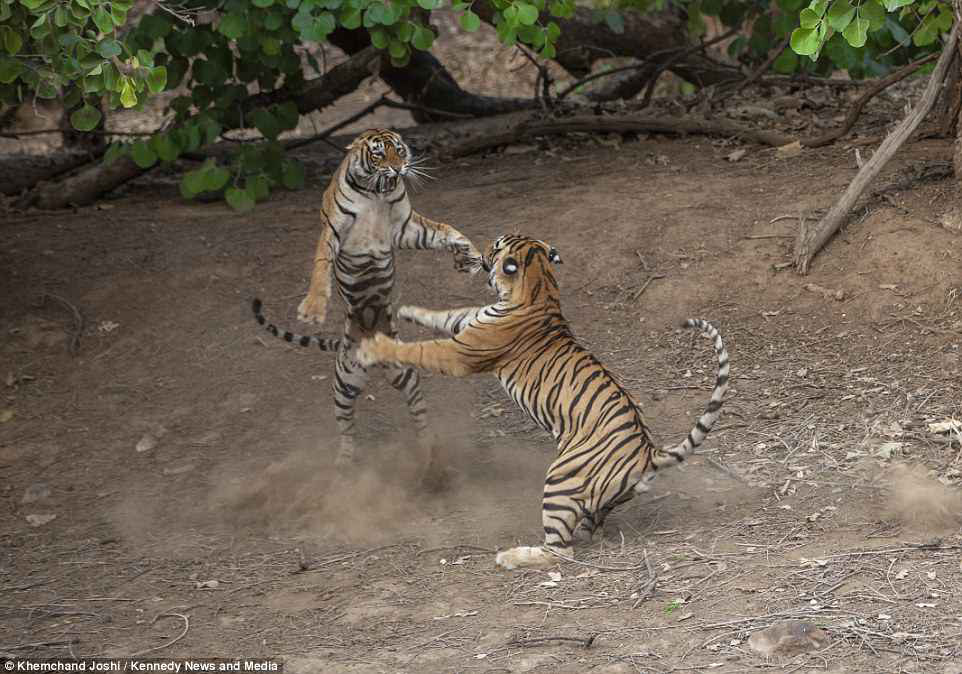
(811, 240)
(425, 82)
(528, 128)
(97, 178)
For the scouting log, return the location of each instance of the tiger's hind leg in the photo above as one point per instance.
(560, 514)
(350, 378)
(594, 523)
(434, 478)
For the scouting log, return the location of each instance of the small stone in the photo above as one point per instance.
(35, 492)
(38, 520)
(787, 638)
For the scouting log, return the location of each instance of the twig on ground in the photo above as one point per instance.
(78, 321)
(645, 591)
(525, 643)
(600, 567)
(304, 568)
(172, 641)
(645, 285)
(461, 546)
(38, 644)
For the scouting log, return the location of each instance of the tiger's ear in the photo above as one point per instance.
(510, 266)
(554, 257)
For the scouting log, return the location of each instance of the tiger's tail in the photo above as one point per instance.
(674, 455)
(322, 343)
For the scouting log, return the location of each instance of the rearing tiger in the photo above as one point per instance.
(365, 217)
(605, 450)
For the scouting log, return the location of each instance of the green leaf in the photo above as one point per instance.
(274, 20)
(164, 147)
(548, 51)
(270, 45)
(142, 154)
(157, 79)
(430, 4)
(397, 50)
(405, 31)
(215, 178)
(9, 70)
(379, 38)
(232, 26)
(194, 182)
(527, 14)
(61, 17)
(286, 115)
(109, 48)
(873, 13)
(259, 186)
(423, 38)
(239, 200)
(554, 32)
(786, 63)
(857, 32)
(350, 18)
(841, 53)
(892, 5)
(114, 152)
(262, 3)
(86, 118)
(808, 18)
(105, 24)
(469, 21)
(265, 122)
(12, 41)
(118, 14)
(128, 95)
(804, 41)
(293, 175)
(154, 26)
(840, 14)
(819, 7)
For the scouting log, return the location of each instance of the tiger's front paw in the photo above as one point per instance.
(407, 313)
(312, 310)
(524, 557)
(366, 353)
(467, 259)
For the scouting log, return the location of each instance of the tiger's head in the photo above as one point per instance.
(379, 159)
(519, 269)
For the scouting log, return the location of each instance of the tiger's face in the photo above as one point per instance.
(519, 269)
(381, 159)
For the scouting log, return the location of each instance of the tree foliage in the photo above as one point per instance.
(89, 51)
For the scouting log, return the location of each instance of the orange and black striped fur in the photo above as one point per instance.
(605, 451)
(365, 217)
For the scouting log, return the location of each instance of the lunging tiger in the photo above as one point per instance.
(605, 451)
(365, 217)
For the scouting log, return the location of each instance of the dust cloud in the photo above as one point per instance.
(916, 499)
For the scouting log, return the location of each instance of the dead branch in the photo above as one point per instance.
(528, 128)
(856, 110)
(525, 643)
(811, 240)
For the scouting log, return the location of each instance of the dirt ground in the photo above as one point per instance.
(167, 488)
